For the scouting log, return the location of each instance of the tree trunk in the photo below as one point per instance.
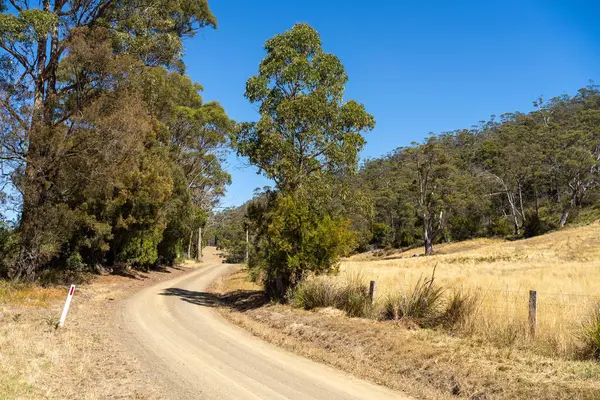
(565, 214)
(521, 204)
(428, 246)
(189, 253)
(247, 246)
(33, 188)
(537, 204)
(427, 236)
(514, 212)
(199, 254)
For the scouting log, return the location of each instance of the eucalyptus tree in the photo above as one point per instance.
(306, 133)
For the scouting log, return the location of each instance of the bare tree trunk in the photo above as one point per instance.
(427, 236)
(247, 246)
(199, 254)
(537, 204)
(565, 214)
(189, 253)
(521, 204)
(514, 212)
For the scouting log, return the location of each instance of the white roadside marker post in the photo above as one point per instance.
(63, 317)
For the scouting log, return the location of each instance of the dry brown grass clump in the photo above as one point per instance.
(349, 294)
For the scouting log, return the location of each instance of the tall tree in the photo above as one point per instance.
(305, 134)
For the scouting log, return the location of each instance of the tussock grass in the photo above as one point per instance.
(422, 303)
(591, 334)
(349, 294)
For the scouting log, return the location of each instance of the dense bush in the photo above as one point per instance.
(382, 235)
(295, 239)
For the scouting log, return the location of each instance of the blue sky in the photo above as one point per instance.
(418, 66)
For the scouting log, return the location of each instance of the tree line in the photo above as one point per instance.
(109, 155)
(518, 175)
(515, 176)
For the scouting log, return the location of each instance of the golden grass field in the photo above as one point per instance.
(563, 267)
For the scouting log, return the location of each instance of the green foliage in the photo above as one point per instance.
(499, 227)
(518, 175)
(294, 240)
(535, 226)
(9, 248)
(382, 235)
(123, 158)
(304, 128)
(306, 136)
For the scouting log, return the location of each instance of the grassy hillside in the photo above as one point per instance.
(566, 261)
(563, 267)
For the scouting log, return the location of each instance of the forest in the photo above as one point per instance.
(109, 155)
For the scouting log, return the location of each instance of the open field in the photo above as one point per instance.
(563, 267)
(564, 262)
(424, 363)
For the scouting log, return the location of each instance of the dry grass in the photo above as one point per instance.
(425, 363)
(563, 267)
(86, 358)
(28, 295)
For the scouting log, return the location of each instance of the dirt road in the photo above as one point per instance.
(195, 354)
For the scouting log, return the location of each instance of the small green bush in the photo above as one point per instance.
(382, 236)
(500, 227)
(535, 226)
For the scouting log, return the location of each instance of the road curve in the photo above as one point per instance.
(196, 354)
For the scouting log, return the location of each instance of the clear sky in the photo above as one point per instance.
(418, 66)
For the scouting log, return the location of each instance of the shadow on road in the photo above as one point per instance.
(240, 300)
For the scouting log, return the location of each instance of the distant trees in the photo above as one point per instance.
(106, 148)
(521, 175)
(306, 136)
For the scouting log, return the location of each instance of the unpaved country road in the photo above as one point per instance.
(195, 354)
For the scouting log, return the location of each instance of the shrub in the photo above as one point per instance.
(459, 310)
(294, 240)
(591, 334)
(535, 226)
(499, 227)
(382, 235)
(350, 295)
(422, 303)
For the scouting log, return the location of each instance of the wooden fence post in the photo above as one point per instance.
(533, 313)
(372, 291)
